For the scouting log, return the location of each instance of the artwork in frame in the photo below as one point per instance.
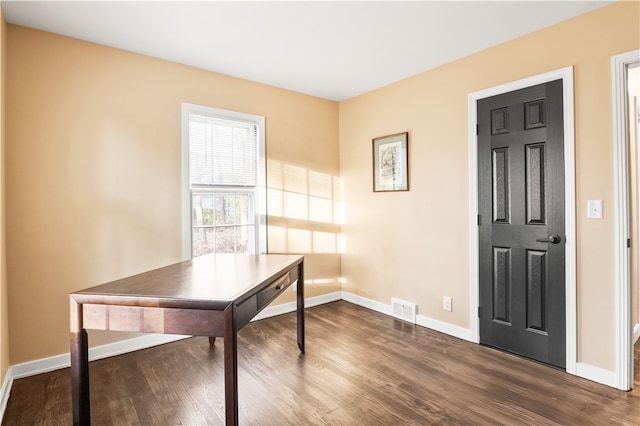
(391, 163)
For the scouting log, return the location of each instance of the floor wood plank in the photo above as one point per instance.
(360, 368)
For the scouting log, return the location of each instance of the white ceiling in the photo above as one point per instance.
(333, 50)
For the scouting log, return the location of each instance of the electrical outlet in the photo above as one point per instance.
(446, 303)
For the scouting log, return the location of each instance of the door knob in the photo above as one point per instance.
(553, 239)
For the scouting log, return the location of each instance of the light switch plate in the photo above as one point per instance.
(594, 209)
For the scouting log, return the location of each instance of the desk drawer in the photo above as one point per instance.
(248, 309)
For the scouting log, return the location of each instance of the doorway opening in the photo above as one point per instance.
(625, 93)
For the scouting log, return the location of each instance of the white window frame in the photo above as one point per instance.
(259, 191)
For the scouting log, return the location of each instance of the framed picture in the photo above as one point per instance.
(391, 163)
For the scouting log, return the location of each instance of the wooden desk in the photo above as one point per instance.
(213, 295)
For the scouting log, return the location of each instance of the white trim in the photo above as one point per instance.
(367, 303)
(185, 186)
(446, 328)
(636, 333)
(474, 238)
(566, 74)
(596, 374)
(285, 308)
(57, 362)
(623, 302)
(5, 392)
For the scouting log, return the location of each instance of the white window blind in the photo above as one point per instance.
(223, 152)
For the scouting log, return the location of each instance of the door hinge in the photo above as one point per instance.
(478, 220)
(628, 242)
(479, 312)
(477, 129)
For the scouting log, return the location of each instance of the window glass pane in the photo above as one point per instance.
(203, 212)
(223, 223)
(225, 239)
(230, 209)
(203, 240)
(233, 239)
(244, 235)
(222, 208)
(219, 210)
(222, 239)
(235, 209)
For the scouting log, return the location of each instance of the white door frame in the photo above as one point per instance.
(623, 303)
(566, 74)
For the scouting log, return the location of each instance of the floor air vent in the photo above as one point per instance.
(405, 311)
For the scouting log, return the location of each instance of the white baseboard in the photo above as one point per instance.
(56, 362)
(421, 320)
(596, 374)
(285, 308)
(636, 333)
(367, 303)
(4, 393)
(446, 328)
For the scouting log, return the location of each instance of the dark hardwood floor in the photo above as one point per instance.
(360, 368)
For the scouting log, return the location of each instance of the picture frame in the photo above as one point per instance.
(391, 163)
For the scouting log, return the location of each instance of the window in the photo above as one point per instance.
(224, 202)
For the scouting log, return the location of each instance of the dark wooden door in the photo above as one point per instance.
(521, 222)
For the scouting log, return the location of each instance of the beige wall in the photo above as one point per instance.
(4, 316)
(94, 170)
(414, 245)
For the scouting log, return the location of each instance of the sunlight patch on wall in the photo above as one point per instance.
(291, 240)
(296, 206)
(299, 241)
(305, 210)
(297, 193)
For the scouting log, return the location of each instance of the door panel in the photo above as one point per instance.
(536, 285)
(501, 206)
(521, 205)
(501, 284)
(535, 184)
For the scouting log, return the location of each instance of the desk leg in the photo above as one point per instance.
(300, 306)
(79, 367)
(230, 367)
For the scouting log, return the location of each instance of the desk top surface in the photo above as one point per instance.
(210, 281)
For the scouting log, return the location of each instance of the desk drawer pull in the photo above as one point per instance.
(280, 283)
(268, 294)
